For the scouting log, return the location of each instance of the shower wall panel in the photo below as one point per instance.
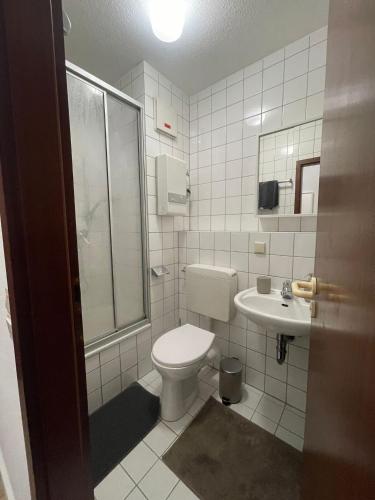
(125, 205)
(87, 124)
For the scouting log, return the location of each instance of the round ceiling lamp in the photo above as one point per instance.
(167, 19)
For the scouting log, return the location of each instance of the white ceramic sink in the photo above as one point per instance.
(284, 316)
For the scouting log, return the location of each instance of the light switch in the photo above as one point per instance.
(260, 247)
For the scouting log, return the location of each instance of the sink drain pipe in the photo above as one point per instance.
(281, 346)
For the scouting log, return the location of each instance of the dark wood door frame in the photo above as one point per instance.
(300, 164)
(37, 214)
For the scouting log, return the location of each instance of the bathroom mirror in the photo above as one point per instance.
(288, 170)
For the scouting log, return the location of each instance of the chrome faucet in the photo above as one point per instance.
(286, 291)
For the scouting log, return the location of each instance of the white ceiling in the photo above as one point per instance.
(109, 37)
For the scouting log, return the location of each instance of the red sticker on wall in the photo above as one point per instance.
(166, 125)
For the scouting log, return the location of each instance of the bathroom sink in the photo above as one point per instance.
(285, 316)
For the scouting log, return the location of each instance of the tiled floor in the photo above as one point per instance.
(143, 476)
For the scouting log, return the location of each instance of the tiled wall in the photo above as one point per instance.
(289, 255)
(113, 369)
(226, 119)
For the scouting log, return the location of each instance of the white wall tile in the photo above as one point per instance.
(271, 120)
(296, 65)
(316, 80)
(282, 243)
(239, 261)
(253, 68)
(255, 360)
(297, 46)
(253, 85)
(314, 106)
(317, 55)
(295, 89)
(302, 266)
(252, 106)
(294, 112)
(235, 93)
(318, 35)
(275, 388)
(296, 398)
(235, 112)
(298, 357)
(297, 377)
(219, 101)
(273, 58)
(304, 244)
(281, 266)
(273, 76)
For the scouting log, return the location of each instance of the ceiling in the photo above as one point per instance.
(109, 37)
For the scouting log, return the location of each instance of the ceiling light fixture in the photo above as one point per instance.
(167, 19)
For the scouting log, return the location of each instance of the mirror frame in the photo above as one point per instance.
(300, 164)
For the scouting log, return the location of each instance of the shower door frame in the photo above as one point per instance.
(120, 333)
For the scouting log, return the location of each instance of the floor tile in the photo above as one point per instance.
(116, 486)
(139, 461)
(204, 372)
(154, 389)
(196, 406)
(243, 410)
(180, 425)
(156, 384)
(205, 390)
(271, 408)
(182, 492)
(160, 438)
(264, 422)
(292, 421)
(158, 482)
(290, 438)
(136, 494)
(150, 377)
(250, 396)
(210, 376)
(142, 383)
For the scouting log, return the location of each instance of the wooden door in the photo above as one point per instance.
(37, 215)
(340, 429)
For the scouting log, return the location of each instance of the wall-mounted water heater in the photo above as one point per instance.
(171, 185)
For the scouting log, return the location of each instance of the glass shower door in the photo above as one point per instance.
(125, 206)
(107, 171)
(88, 140)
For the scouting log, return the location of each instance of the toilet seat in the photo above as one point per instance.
(182, 346)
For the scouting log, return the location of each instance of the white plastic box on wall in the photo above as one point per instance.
(171, 185)
(166, 118)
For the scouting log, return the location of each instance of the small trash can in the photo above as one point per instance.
(230, 380)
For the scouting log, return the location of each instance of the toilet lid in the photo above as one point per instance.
(182, 346)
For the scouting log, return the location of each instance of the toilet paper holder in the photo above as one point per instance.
(159, 271)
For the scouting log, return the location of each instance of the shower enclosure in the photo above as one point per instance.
(108, 169)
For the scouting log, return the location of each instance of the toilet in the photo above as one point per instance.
(179, 354)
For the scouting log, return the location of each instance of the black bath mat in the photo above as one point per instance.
(118, 426)
(223, 456)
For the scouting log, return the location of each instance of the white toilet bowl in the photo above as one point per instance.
(178, 355)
